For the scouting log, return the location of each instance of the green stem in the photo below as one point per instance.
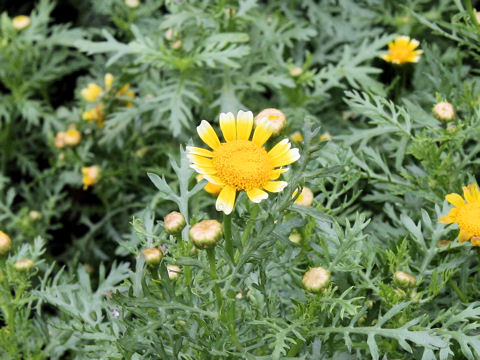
(227, 234)
(459, 292)
(214, 276)
(251, 222)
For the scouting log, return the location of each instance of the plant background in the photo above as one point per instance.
(379, 184)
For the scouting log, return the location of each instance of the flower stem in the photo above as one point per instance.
(251, 222)
(214, 276)
(459, 292)
(227, 234)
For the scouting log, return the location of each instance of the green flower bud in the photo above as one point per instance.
(174, 223)
(35, 215)
(296, 71)
(316, 279)
(24, 265)
(173, 272)
(5, 243)
(153, 256)
(206, 234)
(295, 237)
(404, 279)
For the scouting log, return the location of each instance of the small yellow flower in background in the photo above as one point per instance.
(95, 114)
(132, 3)
(444, 111)
(72, 136)
(296, 137)
(239, 163)
(91, 92)
(305, 198)
(466, 214)
(326, 137)
(91, 175)
(5, 243)
(402, 50)
(211, 188)
(275, 117)
(21, 22)
(108, 80)
(125, 91)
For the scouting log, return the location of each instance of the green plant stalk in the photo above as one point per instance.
(227, 234)
(214, 276)
(459, 292)
(251, 222)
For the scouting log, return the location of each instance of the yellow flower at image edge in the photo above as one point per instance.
(91, 175)
(402, 50)
(466, 214)
(239, 163)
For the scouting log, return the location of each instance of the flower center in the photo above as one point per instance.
(401, 53)
(468, 218)
(242, 164)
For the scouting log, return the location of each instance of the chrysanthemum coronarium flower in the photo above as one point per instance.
(95, 114)
(153, 256)
(21, 22)
(174, 223)
(72, 136)
(108, 80)
(444, 111)
(305, 198)
(206, 234)
(402, 51)
(466, 214)
(173, 272)
(316, 279)
(5, 243)
(239, 163)
(24, 265)
(91, 175)
(404, 280)
(92, 92)
(275, 117)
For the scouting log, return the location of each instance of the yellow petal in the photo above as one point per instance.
(204, 170)
(226, 200)
(463, 236)
(244, 124)
(280, 148)
(228, 126)
(262, 132)
(275, 174)
(445, 220)
(471, 193)
(291, 156)
(199, 151)
(275, 186)
(475, 241)
(214, 180)
(200, 160)
(208, 134)
(256, 195)
(455, 199)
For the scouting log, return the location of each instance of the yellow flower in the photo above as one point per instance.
(20, 22)
(239, 163)
(402, 50)
(305, 198)
(466, 214)
(296, 136)
(108, 79)
(326, 137)
(276, 118)
(91, 175)
(72, 136)
(91, 92)
(5, 243)
(95, 114)
(209, 187)
(125, 91)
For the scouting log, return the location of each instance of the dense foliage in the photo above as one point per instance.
(98, 101)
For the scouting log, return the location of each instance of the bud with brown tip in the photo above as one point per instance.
(404, 280)
(174, 223)
(5, 243)
(206, 234)
(24, 265)
(316, 279)
(153, 256)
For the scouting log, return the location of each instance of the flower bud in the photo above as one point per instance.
(5, 243)
(404, 279)
(72, 136)
(305, 198)
(296, 137)
(132, 3)
(275, 117)
(153, 256)
(91, 175)
(295, 237)
(326, 137)
(108, 79)
(20, 22)
(24, 265)
(173, 272)
(177, 45)
(316, 279)
(60, 140)
(91, 92)
(451, 128)
(206, 234)
(174, 223)
(296, 71)
(35, 215)
(170, 34)
(443, 111)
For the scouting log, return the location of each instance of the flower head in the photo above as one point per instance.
(72, 136)
(5, 243)
(91, 175)
(275, 117)
(443, 111)
(91, 92)
(316, 279)
(466, 214)
(206, 234)
(402, 50)
(174, 223)
(239, 163)
(20, 22)
(296, 71)
(305, 198)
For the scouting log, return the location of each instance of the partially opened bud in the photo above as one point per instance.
(275, 117)
(443, 111)
(316, 279)
(5, 243)
(206, 234)
(174, 223)
(24, 265)
(173, 272)
(404, 279)
(305, 198)
(20, 22)
(153, 256)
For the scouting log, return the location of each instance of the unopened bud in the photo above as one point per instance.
(35, 215)
(305, 198)
(24, 265)
(177, 45)
(316, 279)
(132, 3)
(5, 243)
(443, 111)
(451, 128)
(174, 223)
(206, 234)
(296, 71)
(295, 237)
(20, 22)
(153, 256)
(275, 117)
(326, 137)
(239, 296)
(173, 272)
(404, 279)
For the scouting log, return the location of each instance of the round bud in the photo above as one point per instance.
(35, 215)
(153, 256)
(174, 223)
(443, 111)
(206, 234)
(132, 3)
(296, 71)
(24, 265)
(20, 22)
(72, 136)
(173, 272)
(305, 198)
(295, 237)
(177, 45)
(451, 128)
(404, 279)
(316, 279)
(275, 118)
(5, 243)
